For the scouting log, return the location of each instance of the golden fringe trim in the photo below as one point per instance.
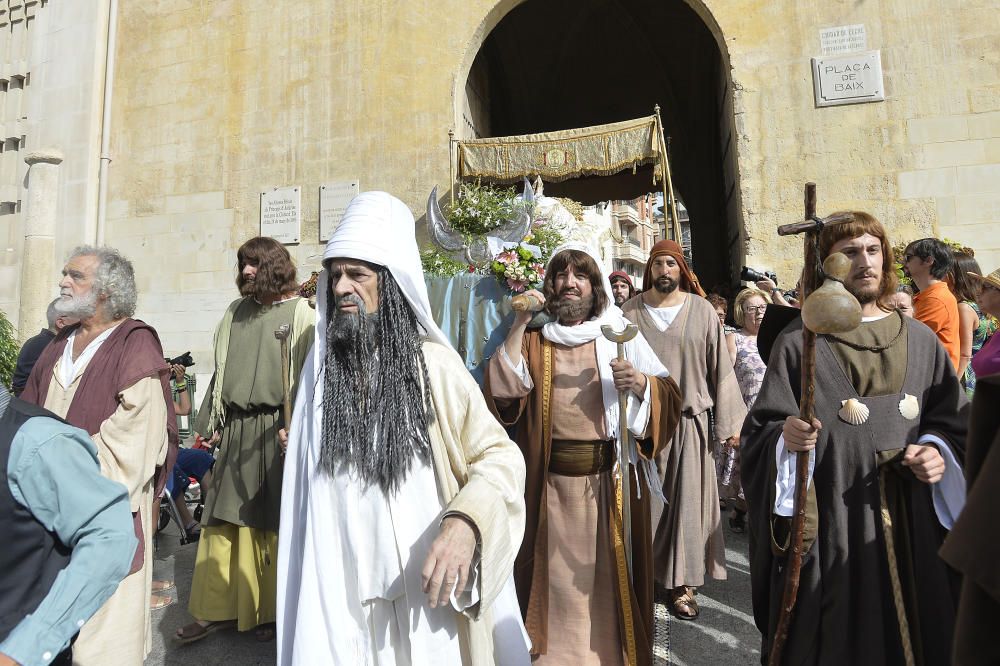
(625, 596)
(507, 177)
(546, 384)
(897, 588)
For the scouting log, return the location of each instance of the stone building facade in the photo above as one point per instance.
(207, 104)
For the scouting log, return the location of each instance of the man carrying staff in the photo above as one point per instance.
(236, 568)
(559, 386)
(886, 482)
(402, 505)
(683, 329)
(107, 376)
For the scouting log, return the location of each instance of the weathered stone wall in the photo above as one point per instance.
(925, 161)
(218, 101)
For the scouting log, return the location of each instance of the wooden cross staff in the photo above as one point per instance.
(811, 227)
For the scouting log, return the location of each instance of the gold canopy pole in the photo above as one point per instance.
(451, 166)
(668, 190)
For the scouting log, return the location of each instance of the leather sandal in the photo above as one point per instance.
(683, 604)
(162, 585)
(196, 630)
(264, 633)
(158, 601)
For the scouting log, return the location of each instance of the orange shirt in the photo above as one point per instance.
(937, 307)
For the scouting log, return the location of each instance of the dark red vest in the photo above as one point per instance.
(132, 352)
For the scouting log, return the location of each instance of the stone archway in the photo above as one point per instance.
(542, 65)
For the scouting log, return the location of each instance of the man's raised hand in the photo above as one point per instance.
(449, 559)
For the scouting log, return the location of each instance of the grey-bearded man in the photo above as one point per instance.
(402, 502)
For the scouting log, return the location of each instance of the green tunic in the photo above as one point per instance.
(246, 480)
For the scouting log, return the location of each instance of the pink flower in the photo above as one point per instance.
(472, 269)
(508, 257)
(516, 285)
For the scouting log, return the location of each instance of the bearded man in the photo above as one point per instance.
(621, 287)
(107, 376)
(402, 506)
(886, 480)
(559, 386)
(235, 573)
(683, 329)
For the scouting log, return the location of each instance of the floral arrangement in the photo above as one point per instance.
(479, 209)
(437, 263)
(520, 267)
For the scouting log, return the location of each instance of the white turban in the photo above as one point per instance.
(378, 228)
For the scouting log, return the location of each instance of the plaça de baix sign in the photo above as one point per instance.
(848, 79)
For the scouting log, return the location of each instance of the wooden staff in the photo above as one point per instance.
(811, 227)
(807, 412)
(624, 445)
(282, 334)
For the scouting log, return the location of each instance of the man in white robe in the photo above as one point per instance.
(398, 530)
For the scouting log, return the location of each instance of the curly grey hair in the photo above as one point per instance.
(115, 279)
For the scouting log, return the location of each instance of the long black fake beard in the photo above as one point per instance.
(376, 392)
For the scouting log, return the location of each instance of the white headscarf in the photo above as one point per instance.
(377, 228)
(590, 329)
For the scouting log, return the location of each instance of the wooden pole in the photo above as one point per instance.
(807, 411)
(668, 183)
(451, 166)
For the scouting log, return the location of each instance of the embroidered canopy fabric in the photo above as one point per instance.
(601, 150)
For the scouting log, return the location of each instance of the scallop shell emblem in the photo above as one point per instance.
(853, 411)
(909, 407)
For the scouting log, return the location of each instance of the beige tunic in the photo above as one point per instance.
(688, 542)
(130, 444)
(583, 605)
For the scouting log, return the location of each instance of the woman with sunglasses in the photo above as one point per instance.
(748, 313)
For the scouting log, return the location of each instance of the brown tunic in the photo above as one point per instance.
(688, 538)
(872, 586)
(556, 503)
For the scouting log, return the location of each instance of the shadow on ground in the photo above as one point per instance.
(171, 561)
(724, 634)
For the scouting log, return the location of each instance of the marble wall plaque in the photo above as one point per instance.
(848, 79)
(333, 200)
(843, 39)
(281, 214)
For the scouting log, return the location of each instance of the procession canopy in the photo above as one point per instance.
(602, 150)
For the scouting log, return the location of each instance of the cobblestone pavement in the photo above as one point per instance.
(724, 634)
